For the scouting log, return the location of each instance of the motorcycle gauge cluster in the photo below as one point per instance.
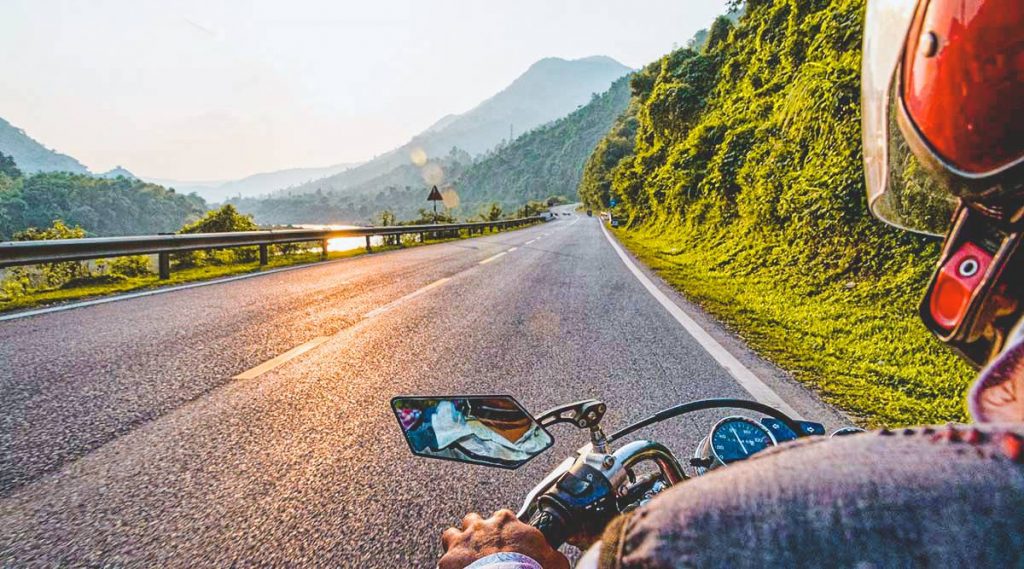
(731, 440)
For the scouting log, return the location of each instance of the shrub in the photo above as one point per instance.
(134, 266)
(223, 220)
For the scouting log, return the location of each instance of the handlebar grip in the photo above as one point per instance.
(551, 524)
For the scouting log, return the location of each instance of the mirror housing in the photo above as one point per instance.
(489, 430)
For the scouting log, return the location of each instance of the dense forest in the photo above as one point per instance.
(102, 206)
(741, 160)
(547, 161)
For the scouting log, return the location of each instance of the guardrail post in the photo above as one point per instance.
(368, 248)
(263, 255)
(323, 250)
(164, 264)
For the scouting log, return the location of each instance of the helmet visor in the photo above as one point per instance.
(900, 191)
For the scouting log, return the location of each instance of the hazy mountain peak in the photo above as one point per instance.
(589, 60)
(31, 156)
(549, 89)
(118, 172)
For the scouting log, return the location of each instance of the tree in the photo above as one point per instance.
(8, 167)
(493, 213)
(223, 220)
(386, 218)
(719, 32)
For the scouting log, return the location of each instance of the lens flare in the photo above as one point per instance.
(418, 156)
(432, 174)
(450, 197)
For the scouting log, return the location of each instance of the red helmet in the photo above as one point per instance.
(943, 127)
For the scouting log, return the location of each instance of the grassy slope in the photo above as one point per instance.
(744, 188)
(875, 362)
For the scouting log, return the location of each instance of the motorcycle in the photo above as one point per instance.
(588, 489)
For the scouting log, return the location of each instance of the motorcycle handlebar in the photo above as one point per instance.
(551, 523)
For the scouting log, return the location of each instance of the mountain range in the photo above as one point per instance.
(550, 89)
(254, 185)
(545, 162)
(542, 163)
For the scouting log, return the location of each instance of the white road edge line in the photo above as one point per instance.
(282, 359)
(489, 259)
(382, 309)
(741, 373)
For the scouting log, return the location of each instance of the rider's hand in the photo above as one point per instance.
(479, 538)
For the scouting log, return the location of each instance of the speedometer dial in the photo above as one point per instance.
(737, 438)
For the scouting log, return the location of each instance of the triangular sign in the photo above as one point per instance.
(435, 196)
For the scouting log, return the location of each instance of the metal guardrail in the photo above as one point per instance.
(14, 253)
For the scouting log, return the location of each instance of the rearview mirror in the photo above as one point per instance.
(488, 430)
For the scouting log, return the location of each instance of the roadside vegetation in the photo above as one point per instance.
(39, 285)
(737, 172)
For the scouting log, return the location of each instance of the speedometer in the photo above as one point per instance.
(737, 438)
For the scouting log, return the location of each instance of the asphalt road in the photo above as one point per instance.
(125, 440)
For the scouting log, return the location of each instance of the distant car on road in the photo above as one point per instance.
(615, 222)
(590, 213)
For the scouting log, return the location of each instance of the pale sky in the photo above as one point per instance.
(208, 90)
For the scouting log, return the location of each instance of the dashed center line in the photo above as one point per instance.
(512, 249)
(381, 310)
(282, 359)
(530, 241)
(489, 259)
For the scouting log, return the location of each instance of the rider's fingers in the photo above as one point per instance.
(470, 519)
(449, 536)
(504, 515)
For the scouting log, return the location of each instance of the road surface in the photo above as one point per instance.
(247, 422)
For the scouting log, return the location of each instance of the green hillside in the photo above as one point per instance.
(101, 206)
(738, 170)
(546, 161)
